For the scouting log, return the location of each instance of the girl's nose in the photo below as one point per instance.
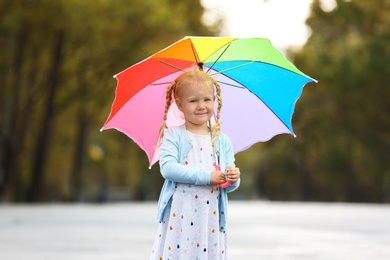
(201, 106)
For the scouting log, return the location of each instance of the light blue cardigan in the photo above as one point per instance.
(173, 151)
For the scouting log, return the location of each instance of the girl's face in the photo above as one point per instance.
(196, 101)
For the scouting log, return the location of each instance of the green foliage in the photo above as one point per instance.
(342, 146)
(94, 40)
(342, 149)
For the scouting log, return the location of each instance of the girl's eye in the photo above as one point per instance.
(193, 101)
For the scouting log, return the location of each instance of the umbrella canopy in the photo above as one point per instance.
(259, 90)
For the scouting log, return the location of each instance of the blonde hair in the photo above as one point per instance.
(185, 79)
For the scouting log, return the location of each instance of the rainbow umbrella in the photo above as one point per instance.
(259, 90)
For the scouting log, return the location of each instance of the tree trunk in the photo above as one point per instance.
(43, 140)
(10, 142)
(76, 182)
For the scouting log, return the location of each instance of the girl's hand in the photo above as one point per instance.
(217, 177)
(232, 174)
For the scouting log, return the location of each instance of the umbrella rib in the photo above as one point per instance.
(218, 58)
(197, 60)
(232, 68)
(173, 66)
(230, 84)
(160, 83)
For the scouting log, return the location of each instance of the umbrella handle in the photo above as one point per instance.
(225, 184)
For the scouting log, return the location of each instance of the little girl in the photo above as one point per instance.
(192, 208)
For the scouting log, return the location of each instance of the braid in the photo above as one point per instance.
(168, 103)
(216, 129)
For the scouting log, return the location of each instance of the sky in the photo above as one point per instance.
(281, 21)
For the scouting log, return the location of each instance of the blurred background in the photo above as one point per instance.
(56, 89)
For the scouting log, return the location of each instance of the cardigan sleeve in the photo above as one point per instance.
(171, 169)
(227, 153)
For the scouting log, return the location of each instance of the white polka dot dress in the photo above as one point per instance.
(190, 227)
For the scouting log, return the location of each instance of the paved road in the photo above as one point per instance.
(258, 230)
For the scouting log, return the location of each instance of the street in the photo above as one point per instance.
(257, 230)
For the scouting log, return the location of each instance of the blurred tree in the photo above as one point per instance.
(342, 149)
(58, 62)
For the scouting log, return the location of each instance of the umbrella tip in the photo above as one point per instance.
(150, 167)
(101, 129)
